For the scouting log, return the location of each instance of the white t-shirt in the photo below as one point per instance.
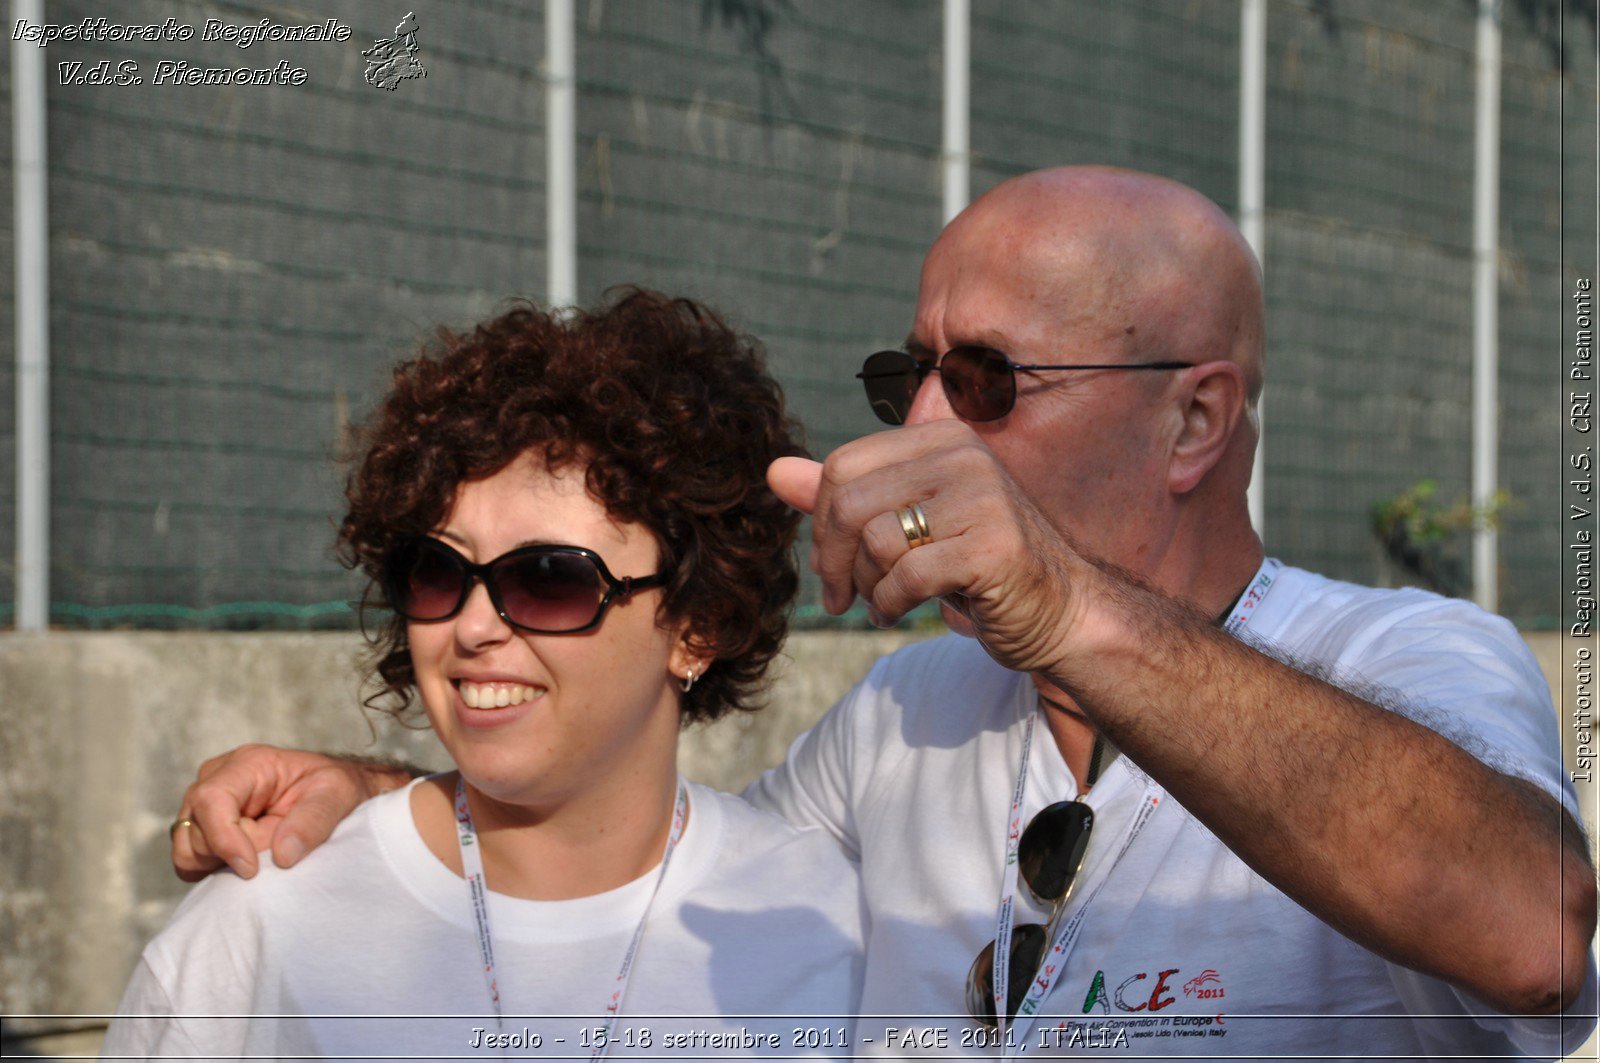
(913, 771)
(754, 918)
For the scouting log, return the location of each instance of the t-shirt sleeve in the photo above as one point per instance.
(1467, 674)
(1441, 1009)
(146, 1025)
(815, 784)
(194, 987)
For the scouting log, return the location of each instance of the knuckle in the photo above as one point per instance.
(211, 802)
(852, 509)
(972, 454)
(322, 783)
(880, 542)
(906, 576)
(836, 469)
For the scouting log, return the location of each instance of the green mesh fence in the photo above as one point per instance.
(234, 268)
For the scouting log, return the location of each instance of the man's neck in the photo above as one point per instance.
(1212, 575)
(1073, 733)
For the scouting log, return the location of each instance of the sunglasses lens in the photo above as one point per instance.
(891, 380)
(549, 592)
(979, 383)
(1051, 850)
(1027, 952)
(424, 581)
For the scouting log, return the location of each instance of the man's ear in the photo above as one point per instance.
(1214, 399)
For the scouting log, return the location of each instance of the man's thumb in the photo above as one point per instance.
(306, 826)
(796, 481)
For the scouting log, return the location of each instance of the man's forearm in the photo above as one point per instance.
(1381, 827)
(383, 774)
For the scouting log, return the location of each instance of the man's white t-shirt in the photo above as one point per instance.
(1185, 950)
(754, 918)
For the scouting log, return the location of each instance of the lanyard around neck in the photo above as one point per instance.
(1239, 616)
(472, 870)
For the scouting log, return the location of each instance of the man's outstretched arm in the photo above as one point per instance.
(1383, 828)
(1379, 826)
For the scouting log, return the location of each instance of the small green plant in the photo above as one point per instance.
(1419, 534)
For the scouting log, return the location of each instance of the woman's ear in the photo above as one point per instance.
(690, 656)
(1214, 402)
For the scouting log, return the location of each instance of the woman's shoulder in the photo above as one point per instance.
(767, 892)
(754, 847)
(353, 843)
(228, 931)
(755, 832)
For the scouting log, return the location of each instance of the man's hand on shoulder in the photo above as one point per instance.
(257, 797)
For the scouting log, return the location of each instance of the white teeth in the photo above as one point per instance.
(497, 695)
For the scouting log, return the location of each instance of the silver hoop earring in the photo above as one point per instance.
(688, 680)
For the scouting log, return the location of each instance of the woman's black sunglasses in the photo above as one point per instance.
(550, 590)
(980, 383)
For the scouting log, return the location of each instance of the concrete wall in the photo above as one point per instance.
(104, 731)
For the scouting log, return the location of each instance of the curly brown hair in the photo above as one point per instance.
(674, 417)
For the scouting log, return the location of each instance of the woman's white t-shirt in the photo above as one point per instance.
(368, 947)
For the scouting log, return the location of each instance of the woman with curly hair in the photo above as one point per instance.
(568, 519)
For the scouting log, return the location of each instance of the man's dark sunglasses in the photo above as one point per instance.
(550, 590)
(980, 383)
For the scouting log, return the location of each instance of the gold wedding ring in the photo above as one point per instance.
(184, 822)
(914, 523)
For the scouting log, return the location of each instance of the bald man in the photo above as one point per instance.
(1288, 816)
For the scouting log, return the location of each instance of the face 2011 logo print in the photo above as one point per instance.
(1207, 985)
(1198, 985)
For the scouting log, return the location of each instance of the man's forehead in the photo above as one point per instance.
(953, 336)
(986, 304)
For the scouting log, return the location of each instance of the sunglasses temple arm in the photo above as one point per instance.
(1057, 910)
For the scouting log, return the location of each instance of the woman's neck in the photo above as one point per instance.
(574, 847)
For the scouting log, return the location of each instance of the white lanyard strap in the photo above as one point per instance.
(1242, 612)
(1245, 608)
(1054, 961)
(1008, 887)
(472, 869)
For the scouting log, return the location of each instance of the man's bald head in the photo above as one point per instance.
(1150, 263)
(1100, 266)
